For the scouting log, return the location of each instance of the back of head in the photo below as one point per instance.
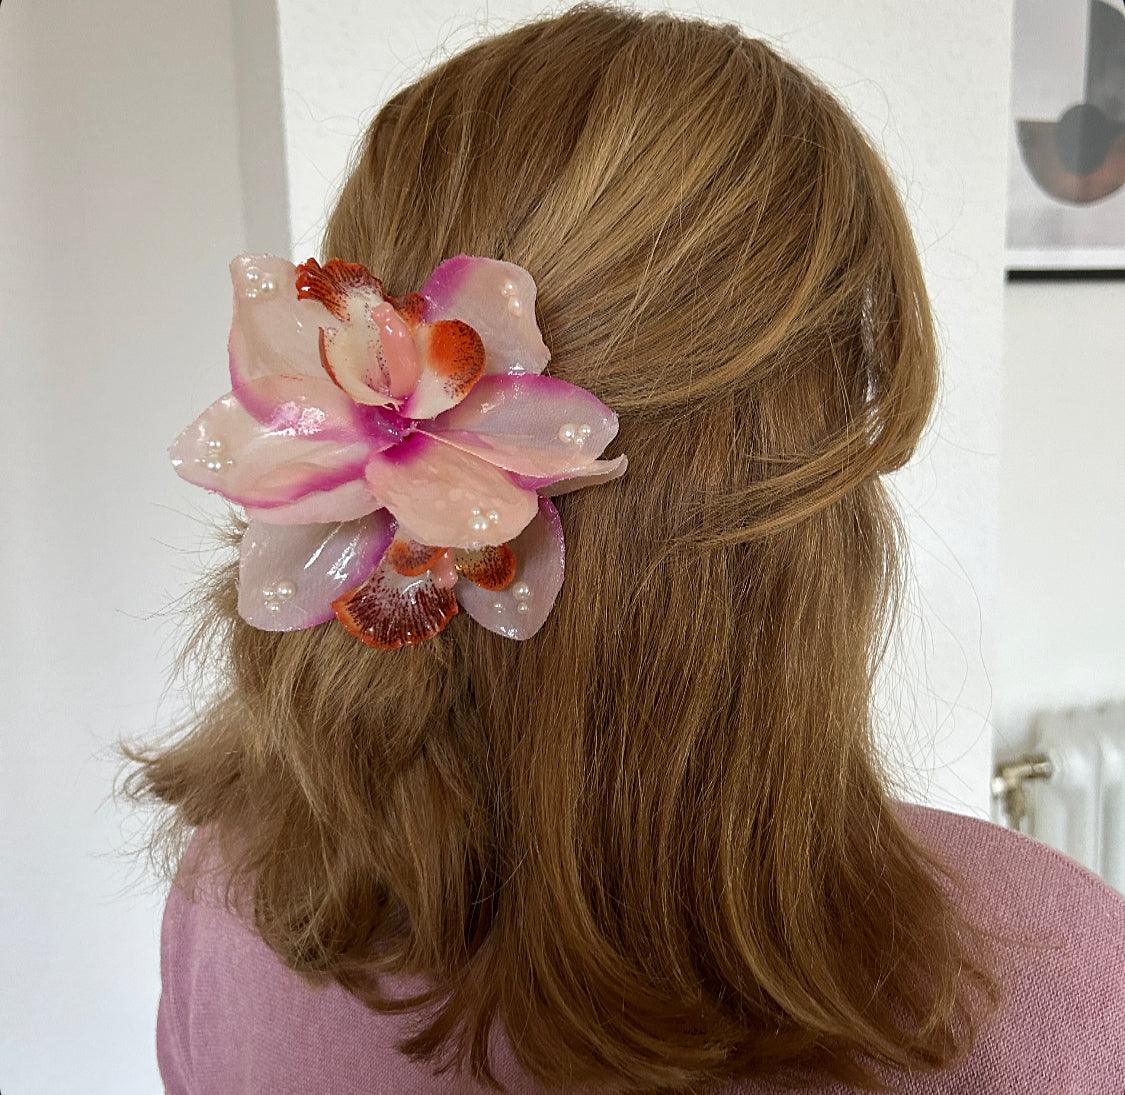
(653, 839)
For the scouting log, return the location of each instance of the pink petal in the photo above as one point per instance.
(451, 356)
(299, 449)
(449, 497)
(346, 502)
(289, 576)
(399, 355)
(600, 471)
(496, 299)
(518, 610)
(532, 425)
(273, 332)
(310, 407)
(390, 610)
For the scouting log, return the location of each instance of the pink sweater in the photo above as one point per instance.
(233, 1020)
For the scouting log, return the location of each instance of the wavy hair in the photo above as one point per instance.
(654, 840)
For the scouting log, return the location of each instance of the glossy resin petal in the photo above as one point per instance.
(273, 331)
(289, 575)
(347, 502)
(532, 425)
(410, 558)
(518, 610)
(491, 567)
(496, 299)
(390, 610)
(449, 497)
(274, 459)
(600, 471)
(451, 360)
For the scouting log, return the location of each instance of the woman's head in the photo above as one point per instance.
(653, 838)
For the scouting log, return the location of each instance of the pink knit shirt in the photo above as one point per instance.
(234, 1021)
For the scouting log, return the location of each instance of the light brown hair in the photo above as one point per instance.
(655, 839)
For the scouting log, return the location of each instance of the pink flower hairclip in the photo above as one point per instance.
(395, 455)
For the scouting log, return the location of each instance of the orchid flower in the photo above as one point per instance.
(395, 455)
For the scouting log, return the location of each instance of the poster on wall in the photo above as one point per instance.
(1066, 173)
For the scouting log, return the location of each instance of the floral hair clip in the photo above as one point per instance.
(395, 455)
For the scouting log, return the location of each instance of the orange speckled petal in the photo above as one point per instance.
(490, 567)
(410, 558)
(451, 355)
(342, 287)
(390, 610)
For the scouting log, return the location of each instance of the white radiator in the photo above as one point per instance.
(1069, 792)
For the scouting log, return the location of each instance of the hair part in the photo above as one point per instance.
(655, 839)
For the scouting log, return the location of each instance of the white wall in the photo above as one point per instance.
(905, 70)
(119, 209)
(1061, 604)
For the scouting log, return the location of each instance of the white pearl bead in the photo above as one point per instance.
(514, 305)
(266, 287)
(493, 516)
(521, 591)
(567, 432)
(584, 431)
(285, 590)
(253, 274)
(523, 606)
(269, 593)
(475, 511)
(479, 524)
(498, 607)
(214, 444)
(508, 289)
(213, 464)
(272, 606)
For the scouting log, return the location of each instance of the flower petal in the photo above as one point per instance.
(410, 558)
(451, 356)
(273, 331)
(600, 471)
(518, 610)
(390, 610)
(270, 462)
(449, 497)
(288, 577)
(491, 567)
(532, 425)
(347, 502)
(347, 289)
(496, 299)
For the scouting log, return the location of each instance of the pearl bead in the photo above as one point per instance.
(213, 464)
(266, 287)
(514, 305)
(479, 524)
(475, 511)
(214, 444)
(567, 432)
(584, 431)
(285, 590)
(498, 607)
(521, 591)
(272, 606)
(493, 516)
(523, 606)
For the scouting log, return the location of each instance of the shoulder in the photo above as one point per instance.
(1058, 934)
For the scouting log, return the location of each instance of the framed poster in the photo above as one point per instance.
(1066, 178)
